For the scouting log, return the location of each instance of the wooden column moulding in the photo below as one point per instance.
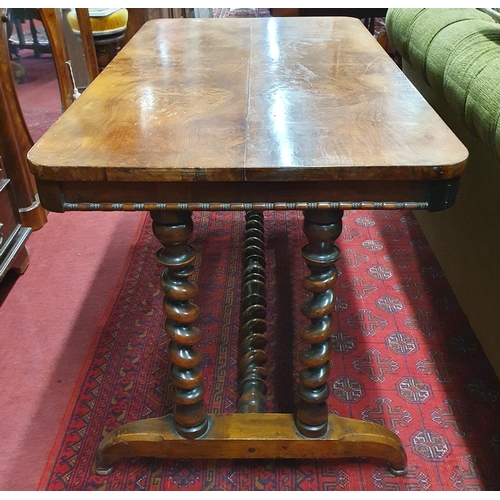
(173, 229)
(252, 356)
(322, 228)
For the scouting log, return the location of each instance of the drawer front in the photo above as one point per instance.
(8, 220)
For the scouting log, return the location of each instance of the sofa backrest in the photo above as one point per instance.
(457, 53)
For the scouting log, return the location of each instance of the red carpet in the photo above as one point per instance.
(404, 357)
(49, 318)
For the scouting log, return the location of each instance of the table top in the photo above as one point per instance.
(269, 99)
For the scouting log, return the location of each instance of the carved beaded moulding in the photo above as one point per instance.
(338, 205)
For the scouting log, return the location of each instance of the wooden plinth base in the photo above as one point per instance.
(267, 435)
(34, 216)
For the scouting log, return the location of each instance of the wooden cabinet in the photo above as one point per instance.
(13, 236)
(15, 142)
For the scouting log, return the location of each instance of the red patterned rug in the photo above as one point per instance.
(404, 357)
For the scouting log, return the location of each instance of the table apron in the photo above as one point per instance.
(235, 196)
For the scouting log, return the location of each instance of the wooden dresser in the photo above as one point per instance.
(13, 236)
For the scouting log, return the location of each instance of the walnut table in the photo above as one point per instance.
(249, 114)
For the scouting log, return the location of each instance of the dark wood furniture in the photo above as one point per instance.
(15, 141)
(15, 138)
(13, 236)
(249, 114)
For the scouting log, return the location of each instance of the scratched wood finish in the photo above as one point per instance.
(274, 99)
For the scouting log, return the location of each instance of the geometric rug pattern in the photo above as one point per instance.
(404, 356)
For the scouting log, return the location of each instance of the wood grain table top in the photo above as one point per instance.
(269, 99)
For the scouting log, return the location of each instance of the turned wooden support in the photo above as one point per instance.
(250, 433)
(173, 230)
(252, 359)
(322, 228)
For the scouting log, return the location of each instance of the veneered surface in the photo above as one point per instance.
(272, 99)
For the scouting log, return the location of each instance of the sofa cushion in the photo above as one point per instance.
(457, 52)
(482, 107)
(434, 22)
(441, 47)
(470, 82)
(112, 23)
(399, 24)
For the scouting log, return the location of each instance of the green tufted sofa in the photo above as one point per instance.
(452, 56)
